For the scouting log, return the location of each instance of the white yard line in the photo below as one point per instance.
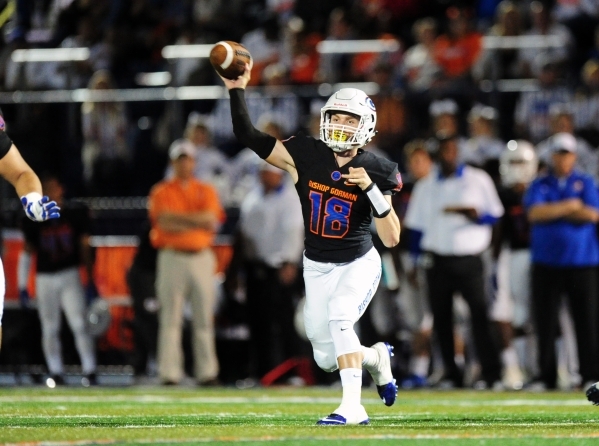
(284, 400)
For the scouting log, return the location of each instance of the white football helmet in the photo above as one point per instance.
(518, 163)
(341, 137)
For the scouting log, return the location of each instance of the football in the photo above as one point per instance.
(229, 58)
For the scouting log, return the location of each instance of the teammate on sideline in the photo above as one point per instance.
(340, 187)
(17, 172)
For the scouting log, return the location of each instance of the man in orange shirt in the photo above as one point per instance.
(457, 51)
(185, 214)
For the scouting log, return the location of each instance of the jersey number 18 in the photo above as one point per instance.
(335, 221)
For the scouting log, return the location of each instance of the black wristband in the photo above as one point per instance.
(5, 144)
(244, 130)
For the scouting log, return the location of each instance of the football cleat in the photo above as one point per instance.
(343, 416)
(593, 394)
(382, 374)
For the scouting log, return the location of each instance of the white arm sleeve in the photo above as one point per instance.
(23, 269)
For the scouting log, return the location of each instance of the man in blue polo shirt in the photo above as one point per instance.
(563, 209)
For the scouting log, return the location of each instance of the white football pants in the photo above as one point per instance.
(58, 291)
(337, 292)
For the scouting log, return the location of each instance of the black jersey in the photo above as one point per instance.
(516, 228)
(337, 215)
(57, 242)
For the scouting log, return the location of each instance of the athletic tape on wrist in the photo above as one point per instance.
(380, 206)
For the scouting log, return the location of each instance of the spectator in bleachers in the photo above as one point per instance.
(532, 110)
(245, 166)
(266, 46)
(457, 51)
(594, 52)
(28, 75)
(77, 74)
(562, 130)
(581, 17)
(280, 103)
(105, 153)
(563, 209)
(391, 112)
(65, 17)
(190, 70)
(586, 103)
(444, 115)
(304, 59)
(502, 63)
(544, 25)
(211, 165)
(185, 214)
(452, 211)
(483, 148)
(337, 67)
(419, 68)
(271, 235)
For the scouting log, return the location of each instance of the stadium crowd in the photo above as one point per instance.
(522, 114)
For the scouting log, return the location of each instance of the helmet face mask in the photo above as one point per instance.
(341, 137)
(518, 163)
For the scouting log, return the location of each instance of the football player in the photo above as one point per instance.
(518, 164)
(17, 172)
(340, 187)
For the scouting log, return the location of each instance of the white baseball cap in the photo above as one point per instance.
(565, 142)
(443, 107)
(181, 147)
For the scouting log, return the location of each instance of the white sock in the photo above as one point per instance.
(371, 357)
(419, 365)
(351, 380)
(509, 357)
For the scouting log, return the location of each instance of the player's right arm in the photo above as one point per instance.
(266, 146)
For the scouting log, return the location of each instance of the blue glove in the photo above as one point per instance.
(24, 299)
(91, 292)
(39, 208)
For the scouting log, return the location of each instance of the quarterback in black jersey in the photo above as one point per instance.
(341, 187)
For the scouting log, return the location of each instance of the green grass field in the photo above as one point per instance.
(277, 416)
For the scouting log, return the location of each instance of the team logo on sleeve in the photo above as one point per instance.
(399, 182)
(336, 175)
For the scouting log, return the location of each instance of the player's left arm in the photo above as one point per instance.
(17, 172)
(388, 228)
(386, 220)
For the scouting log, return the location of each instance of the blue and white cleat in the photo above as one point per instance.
(343, 416)
(382, 374)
